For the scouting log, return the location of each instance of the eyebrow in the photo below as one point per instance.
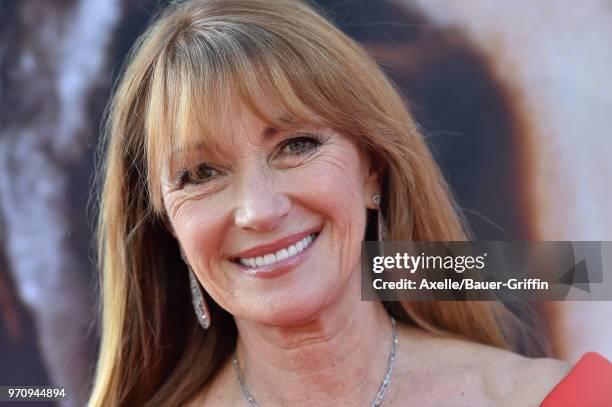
(267, 133)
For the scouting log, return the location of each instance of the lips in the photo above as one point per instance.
(280, 255)
(277, 251)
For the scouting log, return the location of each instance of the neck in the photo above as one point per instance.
(340, 354)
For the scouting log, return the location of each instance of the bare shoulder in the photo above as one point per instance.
(479, 374)
(530, 380)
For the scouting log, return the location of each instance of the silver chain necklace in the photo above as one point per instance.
(382, 390)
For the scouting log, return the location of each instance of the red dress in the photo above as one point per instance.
(588, 384)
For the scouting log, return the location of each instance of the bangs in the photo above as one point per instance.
(198, 78)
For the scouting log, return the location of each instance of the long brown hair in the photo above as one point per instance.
(176, 83)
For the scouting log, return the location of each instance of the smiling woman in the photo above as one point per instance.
(248, 146)
(261, 198)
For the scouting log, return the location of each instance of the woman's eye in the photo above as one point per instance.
(200, 174)
(299, 145)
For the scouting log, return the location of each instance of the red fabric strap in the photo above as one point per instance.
(588, 384)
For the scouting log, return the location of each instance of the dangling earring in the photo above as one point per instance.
(382, 229)
(197, 297)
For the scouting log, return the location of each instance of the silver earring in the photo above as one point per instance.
(197, 298)
(198, 301)
(382, 229)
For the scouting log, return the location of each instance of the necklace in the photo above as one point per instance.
(382, 390)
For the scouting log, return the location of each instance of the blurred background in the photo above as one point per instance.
(514, 99)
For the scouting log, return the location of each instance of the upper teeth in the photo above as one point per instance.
(282, 254)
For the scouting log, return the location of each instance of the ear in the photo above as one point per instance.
(372, 180)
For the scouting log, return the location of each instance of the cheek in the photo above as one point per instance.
(198, 230)
(337, 184)
(335, 191)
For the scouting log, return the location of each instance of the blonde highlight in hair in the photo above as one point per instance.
(179, 80)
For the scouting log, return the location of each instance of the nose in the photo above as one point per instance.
(261, 206)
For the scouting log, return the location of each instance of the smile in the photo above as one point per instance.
(280, 255)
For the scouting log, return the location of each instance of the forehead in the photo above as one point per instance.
(234, 121)
(204, 106)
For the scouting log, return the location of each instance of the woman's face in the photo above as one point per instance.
(272, 226)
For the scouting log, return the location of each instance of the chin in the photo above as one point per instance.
(290, 306)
